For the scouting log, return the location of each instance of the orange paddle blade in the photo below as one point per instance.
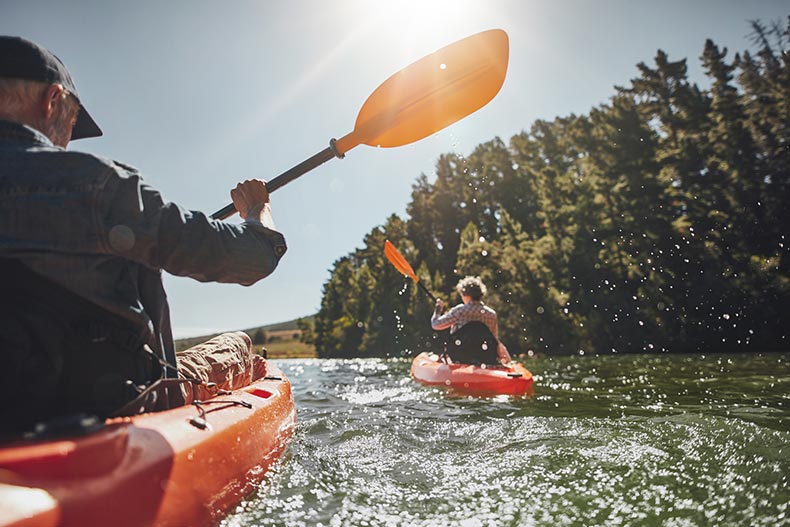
(398, 261)
(432, 93)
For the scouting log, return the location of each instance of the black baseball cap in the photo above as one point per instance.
(22, 59)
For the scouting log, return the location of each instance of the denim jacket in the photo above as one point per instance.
(95, 227)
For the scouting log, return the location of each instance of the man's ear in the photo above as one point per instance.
(52, 97)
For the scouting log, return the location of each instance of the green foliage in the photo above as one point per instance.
(307, 328)
(259, 337)
(657, 222)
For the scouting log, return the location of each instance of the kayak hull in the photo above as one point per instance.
(152, 469)
(465, 378)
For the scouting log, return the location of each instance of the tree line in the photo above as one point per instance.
(655, 223)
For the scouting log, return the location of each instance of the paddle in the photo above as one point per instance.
(400, 263)
(419, 100)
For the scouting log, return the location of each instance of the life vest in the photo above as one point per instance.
(472, 343)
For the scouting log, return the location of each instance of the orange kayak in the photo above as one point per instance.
(164, 468)
(514, 380)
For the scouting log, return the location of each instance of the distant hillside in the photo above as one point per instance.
(291, 324)
(281, 340)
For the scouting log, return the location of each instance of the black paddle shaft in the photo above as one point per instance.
(426, 291)
(289, 175)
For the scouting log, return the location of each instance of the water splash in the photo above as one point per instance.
(625, 440)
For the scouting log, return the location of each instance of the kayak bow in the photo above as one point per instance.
(162, 468)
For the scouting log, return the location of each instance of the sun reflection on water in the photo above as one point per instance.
(604, 441)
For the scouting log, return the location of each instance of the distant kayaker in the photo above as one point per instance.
(84, 319)
(470, 342)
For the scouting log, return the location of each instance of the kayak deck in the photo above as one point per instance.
(465, 378)
(152, 469)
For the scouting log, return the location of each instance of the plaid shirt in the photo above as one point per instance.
(459, 315)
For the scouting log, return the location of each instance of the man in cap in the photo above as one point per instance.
(84, 319)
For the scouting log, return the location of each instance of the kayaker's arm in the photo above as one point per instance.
(503, 354)
(135, 222)
(494, 327)
(439, 321)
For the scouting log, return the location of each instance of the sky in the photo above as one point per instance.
(199, 95)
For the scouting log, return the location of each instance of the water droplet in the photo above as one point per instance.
(121, 238)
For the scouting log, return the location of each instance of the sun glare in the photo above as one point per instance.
(403, 31)
(422, 25)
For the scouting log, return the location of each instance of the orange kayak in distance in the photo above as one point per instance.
(428, 369)
(176, 467)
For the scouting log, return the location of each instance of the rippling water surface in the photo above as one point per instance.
(622, 440)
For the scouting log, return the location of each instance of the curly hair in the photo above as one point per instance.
(472, 286)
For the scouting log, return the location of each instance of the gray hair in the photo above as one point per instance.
(17, 95)
(471, 286)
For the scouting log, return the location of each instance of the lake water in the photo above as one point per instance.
(616, 440)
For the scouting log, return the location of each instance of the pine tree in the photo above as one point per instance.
(658, 222)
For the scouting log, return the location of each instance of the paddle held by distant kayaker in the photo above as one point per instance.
(84, 319)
